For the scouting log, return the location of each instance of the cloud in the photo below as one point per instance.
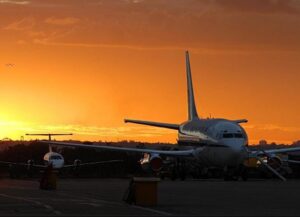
(21, 25)
(260, 6)
(48, 42)
(110, 132)
(32, 29)
(62, 21)
(86, 131)
(242, 6)
(205, 26)
(197, 50)
(279, 128)
(134, 1)
(14, 2)
(272, 127)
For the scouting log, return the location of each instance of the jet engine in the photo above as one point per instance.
(76, 167)
(77, 163)
(153, 162)
(30, 164)
(30, 168)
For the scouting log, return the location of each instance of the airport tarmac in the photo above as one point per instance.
(103, 197)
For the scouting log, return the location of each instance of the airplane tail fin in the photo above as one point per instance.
(192, 111)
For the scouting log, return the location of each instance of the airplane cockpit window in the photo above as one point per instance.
(238, 135)
(227, 135)
(232, 135)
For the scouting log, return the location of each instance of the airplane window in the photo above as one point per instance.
(227, 135)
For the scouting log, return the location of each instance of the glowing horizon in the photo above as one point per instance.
(83, 66)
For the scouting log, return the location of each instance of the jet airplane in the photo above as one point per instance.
(211, 142)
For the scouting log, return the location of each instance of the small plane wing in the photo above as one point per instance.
(92, 163)
(22, 164)
(154, 124)
(177, 153)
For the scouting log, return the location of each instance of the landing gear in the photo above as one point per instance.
(233, 174)
(174, 174)
(244, 173)
(30, 173)
(182, 170)
(14, 172)
(178, 170)
(230, 177)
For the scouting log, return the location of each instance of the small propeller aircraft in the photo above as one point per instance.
(56, 160)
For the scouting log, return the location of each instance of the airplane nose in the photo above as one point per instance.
(236, 145)
(238, 149)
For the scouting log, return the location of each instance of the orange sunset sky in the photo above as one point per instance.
(81, 66)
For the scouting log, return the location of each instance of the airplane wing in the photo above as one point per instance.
(177, 153)
(92, 163)
(274, 151)
(154, 124)
(293, 161)
(282, 150)
(258, 153)
(22, 164)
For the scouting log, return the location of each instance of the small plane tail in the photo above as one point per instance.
(49, 136)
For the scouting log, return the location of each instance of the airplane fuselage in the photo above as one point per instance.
(55, 159)
(223, 142)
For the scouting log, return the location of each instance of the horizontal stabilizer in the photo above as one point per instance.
(154, 124)
(48, 134)
(240, 121)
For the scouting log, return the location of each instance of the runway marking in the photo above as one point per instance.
(46, 206)
(84, 198)
(97, 201)
(93, 204)
(152, 210)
